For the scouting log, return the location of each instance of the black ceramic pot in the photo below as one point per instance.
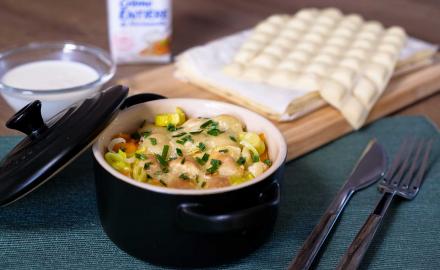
(188, 228)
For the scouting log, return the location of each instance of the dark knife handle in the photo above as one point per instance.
(355, 253)
(313, 243)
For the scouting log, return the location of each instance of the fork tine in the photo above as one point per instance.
(423, 166)
(357, 249)
(406, 155)
(396, 161)
(414, 164)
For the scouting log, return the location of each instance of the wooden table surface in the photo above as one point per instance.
(198, 21)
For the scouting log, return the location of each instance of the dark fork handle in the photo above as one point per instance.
(355, 253)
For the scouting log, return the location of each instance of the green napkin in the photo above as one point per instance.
(57, 226)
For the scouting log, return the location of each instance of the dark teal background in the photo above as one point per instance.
(57, 226)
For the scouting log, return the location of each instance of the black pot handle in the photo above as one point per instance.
(140, 98)
(28, 120)
(192, 216)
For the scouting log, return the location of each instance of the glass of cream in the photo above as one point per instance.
(58, 74)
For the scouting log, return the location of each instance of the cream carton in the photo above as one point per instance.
(139, 30)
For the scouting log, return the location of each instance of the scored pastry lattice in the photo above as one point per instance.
(349, 61)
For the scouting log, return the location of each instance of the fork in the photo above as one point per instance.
(403, 179)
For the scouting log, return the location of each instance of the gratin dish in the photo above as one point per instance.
(166, 226)
(181, 227)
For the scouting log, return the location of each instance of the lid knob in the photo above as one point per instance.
(28, 120)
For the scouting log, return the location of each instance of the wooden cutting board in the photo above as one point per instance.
(315, 129)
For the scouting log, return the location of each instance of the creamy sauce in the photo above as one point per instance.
(200, 153)
(50, 75)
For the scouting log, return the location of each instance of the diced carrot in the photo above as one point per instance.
(265, 154)
(119, 146)
(155, 182)
(130, 147)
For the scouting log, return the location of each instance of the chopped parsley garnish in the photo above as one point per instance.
(223, 150)
(161, 160)
(207, 123)
(203, 184)
(145, 134)
(195, 132)
(233, 138)
(147, 165)
(179, 135)
(255, 158)
(268, 162)
(185, 139)
(165, 149)
(179, 152)
(213, 127)
(188, 138)
(149, 176)
(215, 164)
(183, 161)
(183, 176)
(153, 141)
(135, 135)
(241, 161)
(171, 127)
(163, 183)
(202, 160)
(214, 132)
(201, 146)
(140, 156)
(165, 170)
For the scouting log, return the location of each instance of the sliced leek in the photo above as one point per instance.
(176, 119)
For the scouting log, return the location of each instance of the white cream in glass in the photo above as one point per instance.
(44, 78)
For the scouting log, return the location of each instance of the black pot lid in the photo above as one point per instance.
(49, 147)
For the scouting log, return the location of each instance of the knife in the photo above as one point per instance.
(369, 168)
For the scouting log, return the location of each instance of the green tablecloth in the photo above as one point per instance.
(57, 226)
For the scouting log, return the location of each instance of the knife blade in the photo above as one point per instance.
(369, 168)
